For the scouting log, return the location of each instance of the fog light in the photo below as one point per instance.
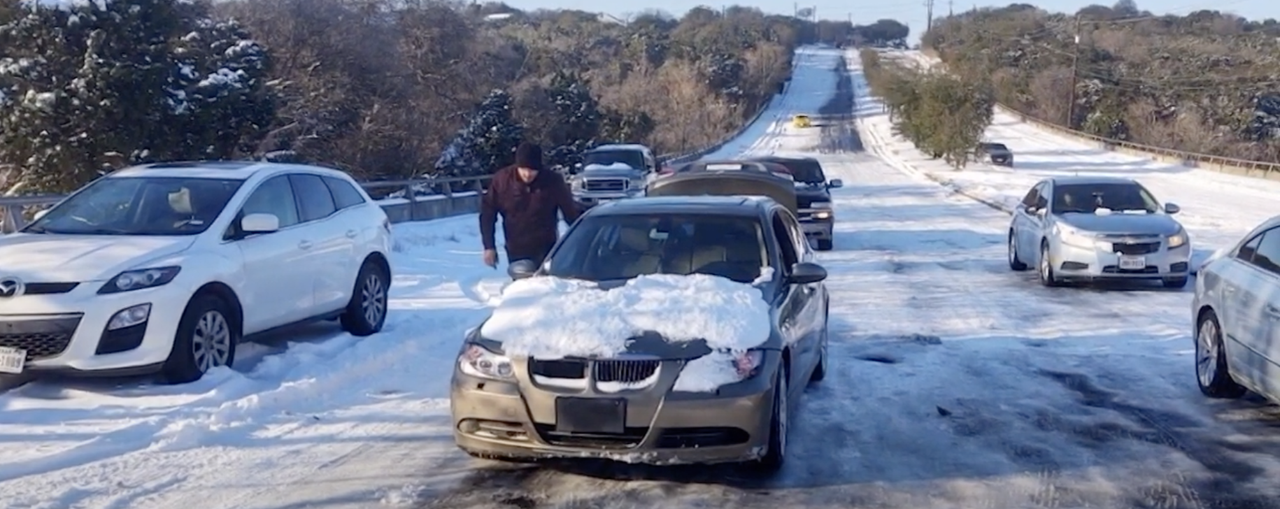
(130, 316)
(822, 215)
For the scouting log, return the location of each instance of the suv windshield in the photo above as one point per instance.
(995, 147)
(140, 206)
(632, 158)
(610, 247)
(1088, 198)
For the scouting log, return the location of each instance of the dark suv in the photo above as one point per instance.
(813, 198)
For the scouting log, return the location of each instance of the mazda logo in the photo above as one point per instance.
(11, 287)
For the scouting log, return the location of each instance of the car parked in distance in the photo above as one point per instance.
(613, 172)
(813, 198)
(1098, 228)
(166, 267)
(1236, 312)
(630, 407)
(998, 153)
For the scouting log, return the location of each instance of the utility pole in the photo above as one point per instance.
(928, 6)
(951, 10)
(1075, 77)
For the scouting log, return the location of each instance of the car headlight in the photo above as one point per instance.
(1178, 239)
(575, 183)
(1078, 239)
(822, 214)
(748, 363)
(820, 205)
(139, 279)
(476, 361)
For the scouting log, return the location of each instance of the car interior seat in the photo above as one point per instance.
(636, 253)
(731, 254)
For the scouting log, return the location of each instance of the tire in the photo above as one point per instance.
(1015, 263)
(1175, 283)
(1045, 268)
(825, 244)
(820, 370)
(1212, 373)
(367, 311)
(779, 423)
(207, 336)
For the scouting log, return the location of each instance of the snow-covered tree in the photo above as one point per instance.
(90, 86)
(576, 119)
(487, 143)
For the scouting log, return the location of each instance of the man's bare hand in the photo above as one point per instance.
(491, 258)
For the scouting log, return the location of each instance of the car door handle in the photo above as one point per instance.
(351, 234)
(304, 245)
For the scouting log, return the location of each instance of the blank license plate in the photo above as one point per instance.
(591, 415)
(12, 360)
(1133, 262)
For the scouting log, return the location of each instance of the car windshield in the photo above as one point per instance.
(803, 170)
(1088, 198)
(632, 158)
(612, 247)
(996, 146)
(140, 206)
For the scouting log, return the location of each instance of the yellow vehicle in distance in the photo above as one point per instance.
(801, 121)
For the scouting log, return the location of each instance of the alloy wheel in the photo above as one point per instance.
(373, 299)
(1207, 353)
(211, 341)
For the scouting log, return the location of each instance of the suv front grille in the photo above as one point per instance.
(40, 338)
(606, 184)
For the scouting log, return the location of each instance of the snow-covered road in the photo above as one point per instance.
(956, 384)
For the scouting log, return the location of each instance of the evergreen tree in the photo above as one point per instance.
(577, 120)
(486, 144)
(91, 86)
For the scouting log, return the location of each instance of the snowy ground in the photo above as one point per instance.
(956, 384)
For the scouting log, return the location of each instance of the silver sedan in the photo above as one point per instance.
(1098, 228)
(1237, 315)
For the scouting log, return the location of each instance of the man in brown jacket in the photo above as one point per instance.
(527, 196)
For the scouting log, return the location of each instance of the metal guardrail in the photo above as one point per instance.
(1247, 167)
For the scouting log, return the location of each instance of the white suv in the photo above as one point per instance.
(166, 267)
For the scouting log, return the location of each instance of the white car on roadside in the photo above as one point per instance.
(166, 267)
(1237, 316)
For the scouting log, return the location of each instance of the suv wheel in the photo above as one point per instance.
(206, 338)
(367, 310)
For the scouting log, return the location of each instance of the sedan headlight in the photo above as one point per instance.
(1075, 238)
(476, 361)
(1178, 239)
(748, 363)
(139, 279)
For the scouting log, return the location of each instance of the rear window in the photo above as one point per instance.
(603, 248)
(632, 158)
(809, 172)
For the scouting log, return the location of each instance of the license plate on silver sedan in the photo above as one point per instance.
(1133, 262)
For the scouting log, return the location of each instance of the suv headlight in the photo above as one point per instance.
(575, 183)
(476, 361)
(139, 279)
(1178, 239)
(820, 205)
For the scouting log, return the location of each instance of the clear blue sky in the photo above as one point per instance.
(911, 12)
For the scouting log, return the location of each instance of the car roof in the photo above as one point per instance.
(1091, 179)
(235, 170)
(785, 158)
(747, 206)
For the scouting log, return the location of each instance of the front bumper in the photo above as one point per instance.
(1101, 261)
(587, 200)
(518, 420)
(67, 333)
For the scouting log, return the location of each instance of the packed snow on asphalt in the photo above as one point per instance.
(955, 383)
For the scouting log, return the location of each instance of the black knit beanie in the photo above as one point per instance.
(529, 155)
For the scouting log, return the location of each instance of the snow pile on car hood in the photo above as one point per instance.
(549, 317)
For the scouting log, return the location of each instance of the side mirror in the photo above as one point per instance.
(521, 269)
(259, 223)
(1172, 208)
(835, 183)
(805, 273)
(39, 214)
